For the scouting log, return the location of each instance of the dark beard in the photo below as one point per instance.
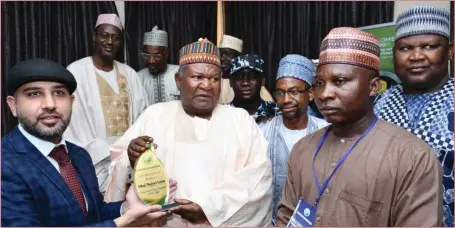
(291, 115)
(295, 115)
(33, 129)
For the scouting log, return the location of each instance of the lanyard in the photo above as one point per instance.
(343, 157)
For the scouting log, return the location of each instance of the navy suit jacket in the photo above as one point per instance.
(34, 193)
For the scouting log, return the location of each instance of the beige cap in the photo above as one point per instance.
(232, 43)
(110, 19)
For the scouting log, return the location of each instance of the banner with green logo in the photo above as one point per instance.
(386, 34)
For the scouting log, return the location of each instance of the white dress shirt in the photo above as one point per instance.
(46, 147)
(110, 77)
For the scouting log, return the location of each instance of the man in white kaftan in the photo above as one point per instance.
(158, 77)
(108, 99)
(219, 162)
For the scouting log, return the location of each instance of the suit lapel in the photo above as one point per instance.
(36, 158)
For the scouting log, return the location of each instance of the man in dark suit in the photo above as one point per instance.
(47, 181)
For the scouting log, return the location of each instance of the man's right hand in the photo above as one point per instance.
(138, 214)
(137, 146)
(141, 216)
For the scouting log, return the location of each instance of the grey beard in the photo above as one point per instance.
(33, 129)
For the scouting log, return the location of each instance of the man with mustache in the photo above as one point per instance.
(230, 48)
(215, 152)
(292, 93)
(110, 96)
(360, 170)
(423, 103)
(46, 179)
(158, 77)
(247, 78)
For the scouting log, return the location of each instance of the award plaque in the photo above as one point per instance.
(150, 179)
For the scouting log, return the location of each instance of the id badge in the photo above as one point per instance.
(303, 215)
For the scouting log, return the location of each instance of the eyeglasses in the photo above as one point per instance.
(106, 36)
(147, 56)
(293, 93)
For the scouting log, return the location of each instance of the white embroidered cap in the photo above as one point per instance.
(156, 37)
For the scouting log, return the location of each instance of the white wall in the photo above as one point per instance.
(401, 6)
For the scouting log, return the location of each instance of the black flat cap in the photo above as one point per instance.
(33, 70)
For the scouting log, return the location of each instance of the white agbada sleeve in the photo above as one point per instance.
(87, 127)
(138, 96)
(244, 198)
(120, 170)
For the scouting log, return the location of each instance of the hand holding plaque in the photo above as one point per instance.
(138, 146)
(150, 179)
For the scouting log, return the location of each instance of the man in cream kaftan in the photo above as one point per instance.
(88, 126)
(220, 164)
(219, 161)
(106, 102)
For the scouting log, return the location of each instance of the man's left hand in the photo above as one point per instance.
(190, 211)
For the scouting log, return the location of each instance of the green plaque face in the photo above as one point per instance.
(150, 179)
